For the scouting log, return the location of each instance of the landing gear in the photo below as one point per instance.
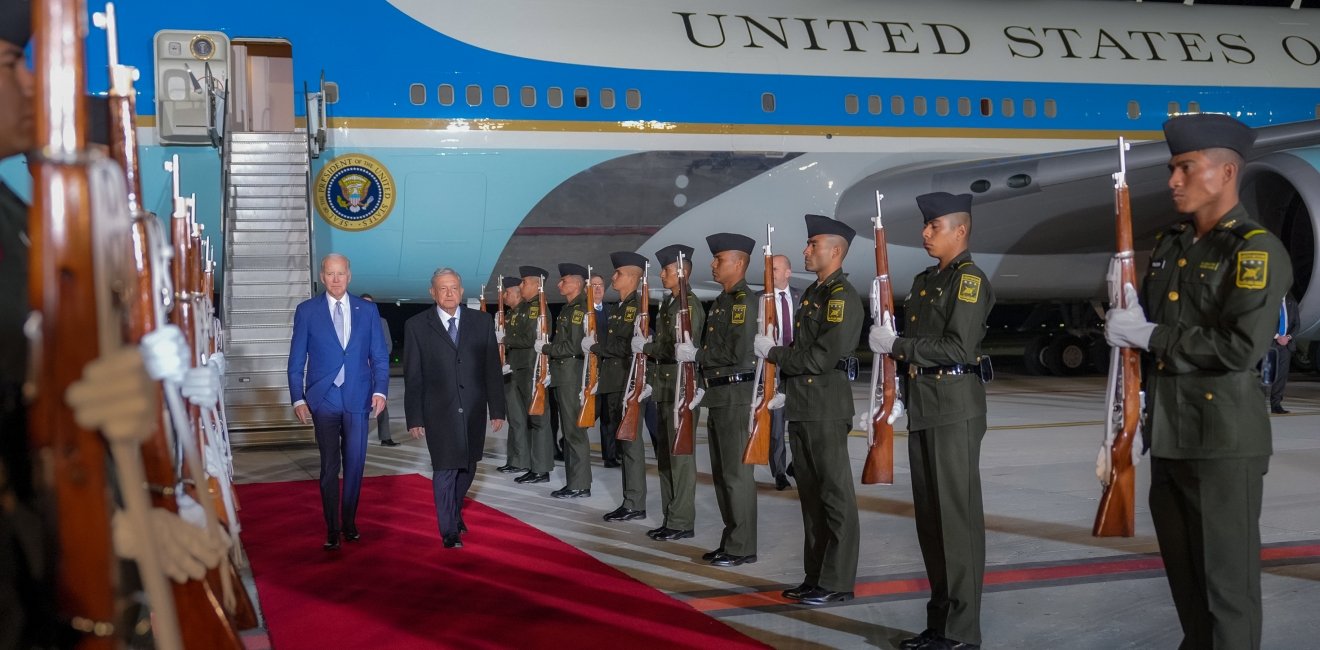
(1067, 355)
(1075, 348)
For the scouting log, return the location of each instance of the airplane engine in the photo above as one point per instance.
(1282, 190)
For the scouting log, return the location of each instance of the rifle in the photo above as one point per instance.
(767, 376)
(686, 395)
(590, 371)
(202, 620)
(879, 467)
(541, 369)
(499, 319)
(632, 398)
(1116, 514)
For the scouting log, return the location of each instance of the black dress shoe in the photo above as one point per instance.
(388, 443)
(789, 470)
(941, 643)
(533, 477)
(733, 560)
(462, 526)
(920, 641)
(673, 534)
(331, 541)
(453, 541)
(819, 596)
(559, 456)
(351, 535)
(710, 555)
(656, 531)
(1279, 410)
(565, 493)
(611, 464)
(796, 593)
(510, 469)
(625, 514)
(781, 483)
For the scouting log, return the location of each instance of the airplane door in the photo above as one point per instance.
(263, 92)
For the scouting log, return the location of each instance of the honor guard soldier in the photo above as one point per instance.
(519, 452)
(565, 352)
(615, 352)
(1213, 291)
(727, 373)
(678, 473)
(519, 342)
(946, 314)
(819, 413)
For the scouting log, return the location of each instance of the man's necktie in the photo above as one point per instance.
(339, 331)
(453, 331)
(785, 323)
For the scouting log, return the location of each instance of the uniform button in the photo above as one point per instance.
(460, 410)
(1159, 365)
(1182, 262)
(1209, 395)
(808, 380)
(923, 292)
(914, 318)
(1173, 296)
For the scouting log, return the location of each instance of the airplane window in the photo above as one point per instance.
(850, 104)
(964, 106)
(331, 92)
(1028, 108)
(473, 95)
(942, 106)
(633, 98)
(417, 94)
(987, 107)
(919, 105)
(1051, 108)
(768, 102)
(607, 98)
(980, 186)
(896, 105)
(1019, 181)
(873, 104)
(580, 98)
(1007, 108)
(445, 95)
(554, 97)
(501, 96)
(1174, 109)
(1193, 107)
(1134, 109)
(528, 96)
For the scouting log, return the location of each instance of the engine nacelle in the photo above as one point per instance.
(1282, 190)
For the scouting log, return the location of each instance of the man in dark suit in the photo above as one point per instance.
(383, 419)
(1283, 345)
(452, 382)
(786, 301)
(339, 373)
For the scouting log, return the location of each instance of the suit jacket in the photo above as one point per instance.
(452, 390)
(794, 302)
(315, 348)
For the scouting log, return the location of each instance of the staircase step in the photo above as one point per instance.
(260, 332)
(270, 380)
(252, 180)
(264, 214)
(267, 136)
(259, 369)
(241, 318)
(269, 191)
(269, 237)
(242, 395)
(257, 347)
(299, 223)
(278, 248)
(257, 427)
(269, 262)
(269, 158)
(281, 168)
(269, 202)
(239, 276)
(269, 146)
(270, 289)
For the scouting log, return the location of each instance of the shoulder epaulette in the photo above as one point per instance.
(740, 295)
(967, 263)
(1246, 230)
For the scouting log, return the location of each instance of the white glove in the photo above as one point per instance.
(1126, 327)
(587, 342)
(762, 345)
(897, 413)
(499, 334)
(539, 345)
(685, 351)
(165, 353)
(115, 396)
(882, 335)
(201, 385)
(638, 343)
(507, 369)
(218, 361)
(777, 402)
(183, 550)
(646, 392)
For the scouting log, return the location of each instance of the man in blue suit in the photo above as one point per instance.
(339, 373)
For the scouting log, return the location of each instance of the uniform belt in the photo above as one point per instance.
(712, 382)
(955, 369)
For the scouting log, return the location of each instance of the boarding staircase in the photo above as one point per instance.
(267, 272)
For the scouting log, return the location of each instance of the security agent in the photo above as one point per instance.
(519, 339)
(819, 412)
(565, 352)
(727, 373)
(678, 473)
(1213, 291)
(946, 314)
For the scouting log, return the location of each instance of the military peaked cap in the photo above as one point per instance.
(532, 272)
(510, 283)
(569, 268)
(937, 204)
(669, 254)
(627, 258)
(730, 241)
(15, 21)
(1207, 131)
(819, 225)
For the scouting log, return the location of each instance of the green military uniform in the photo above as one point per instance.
(1215, 302)
(565, 352)
(615, 351)
(828, 324)
(14, 464)
(519, 337)
(945, 398)
(678, 473)
(726, 356)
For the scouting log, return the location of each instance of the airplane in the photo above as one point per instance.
(510, 132)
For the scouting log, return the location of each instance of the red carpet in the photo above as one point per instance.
(510, 586)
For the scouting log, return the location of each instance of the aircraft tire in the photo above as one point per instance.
(1034, 353)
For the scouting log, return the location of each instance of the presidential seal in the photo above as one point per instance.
(354, 192)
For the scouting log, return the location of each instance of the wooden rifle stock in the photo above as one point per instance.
(632, 399)
(540, 369)
(757, 451)
(591, 369)
(685, 384)
(879, 466)
(499, 319)
(1116, 514)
